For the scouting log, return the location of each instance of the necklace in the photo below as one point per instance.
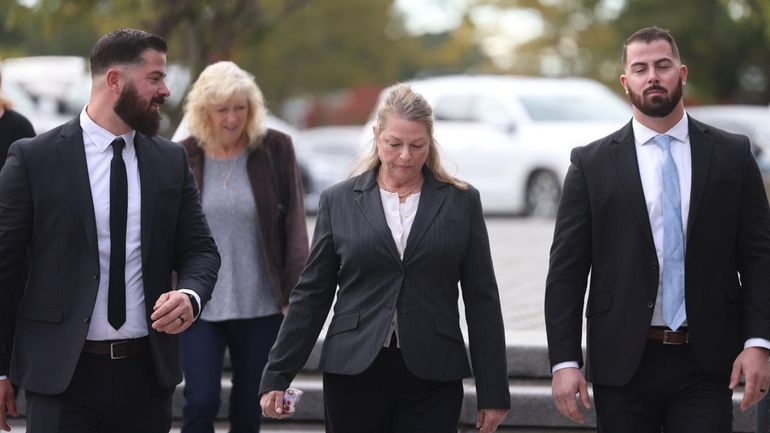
(229, 172)
(230, 152)
(400, 196)
(223, 169)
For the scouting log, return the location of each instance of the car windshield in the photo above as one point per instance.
(590, 107)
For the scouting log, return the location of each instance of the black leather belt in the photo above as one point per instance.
(667, 336)
(118, 349)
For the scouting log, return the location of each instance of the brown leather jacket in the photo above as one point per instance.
(285, 257)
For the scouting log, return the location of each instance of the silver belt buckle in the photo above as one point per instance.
(112, 350)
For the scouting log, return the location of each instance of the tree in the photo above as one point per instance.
(197, 31)
(293, 47)
(725, 43)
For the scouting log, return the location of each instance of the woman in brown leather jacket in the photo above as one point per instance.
(251, 194)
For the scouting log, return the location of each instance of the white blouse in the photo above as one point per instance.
(399, 217)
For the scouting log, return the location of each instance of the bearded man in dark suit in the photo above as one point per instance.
(107, 211)
(669, 216)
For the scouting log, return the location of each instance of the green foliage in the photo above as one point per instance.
(306, 47)
(724, 43)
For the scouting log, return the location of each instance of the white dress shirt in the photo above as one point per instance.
(650, 157)
(98, 151)
(400, 217)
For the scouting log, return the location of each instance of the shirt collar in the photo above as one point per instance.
(100, 136)
(644, 135)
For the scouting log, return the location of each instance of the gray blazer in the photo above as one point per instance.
(353, 248)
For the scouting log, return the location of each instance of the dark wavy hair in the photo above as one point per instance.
(651, 34)
(123, 46)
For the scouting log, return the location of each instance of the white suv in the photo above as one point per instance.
(511, 137)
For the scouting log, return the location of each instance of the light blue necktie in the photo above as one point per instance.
(673, 239)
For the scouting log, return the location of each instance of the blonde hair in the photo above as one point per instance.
(5, 103)
(409, 105)
(216, 84)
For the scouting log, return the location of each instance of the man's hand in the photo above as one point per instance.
(7, 404)
(272, 405)
(172, 313)
(488, 419)
(567, 383)
(753, 365)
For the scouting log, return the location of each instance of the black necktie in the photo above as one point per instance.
(116, 300)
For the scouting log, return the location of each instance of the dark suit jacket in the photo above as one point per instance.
(46, 204)
(353, 248)
(603, 226)
(285, 257)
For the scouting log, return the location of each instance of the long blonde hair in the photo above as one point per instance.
(409, 105)
(5, 103)
(216, 84)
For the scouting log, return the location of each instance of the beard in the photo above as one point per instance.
(137, 113)
(657, 105)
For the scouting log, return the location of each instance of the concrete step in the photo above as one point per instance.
(18, 426)
(532, 406)
(527, 355)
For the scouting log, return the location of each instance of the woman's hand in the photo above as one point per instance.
(272, 405)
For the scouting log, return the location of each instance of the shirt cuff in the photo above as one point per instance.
(567, 364)
(197, 299)
(3, 377)
(757, 342)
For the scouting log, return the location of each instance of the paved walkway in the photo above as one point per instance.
(520, 248)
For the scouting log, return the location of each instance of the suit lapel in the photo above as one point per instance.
(701, 147)
(146, 162)
(370, 204)
(623, 151)
(73, 155)
(432, 197)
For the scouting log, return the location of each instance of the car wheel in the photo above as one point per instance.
(543, 194)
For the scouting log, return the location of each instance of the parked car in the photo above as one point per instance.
(328, 153)
(511, 137)
(750, 120)
(41, 113)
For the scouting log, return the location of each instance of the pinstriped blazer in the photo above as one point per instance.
(353, 250)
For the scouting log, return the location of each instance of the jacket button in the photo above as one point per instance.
(403, 309)
(654, 266)
(87, 319)
(96, 276)
(650, 304)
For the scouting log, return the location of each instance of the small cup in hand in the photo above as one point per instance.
(291, 398)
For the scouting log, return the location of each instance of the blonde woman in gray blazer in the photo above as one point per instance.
(397, 239)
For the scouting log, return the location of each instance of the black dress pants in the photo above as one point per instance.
(386, 397)
(105, 396)
(669, 392)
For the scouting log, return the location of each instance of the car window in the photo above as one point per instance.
(491, 111)
(22, 102)
(586, 107)
(454, 108)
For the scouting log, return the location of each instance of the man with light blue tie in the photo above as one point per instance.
(669, 218)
